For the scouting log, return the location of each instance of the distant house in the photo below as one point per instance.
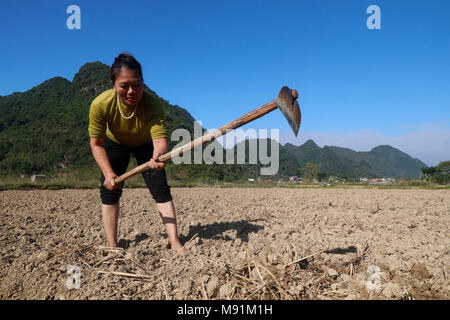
(268, 180)
(295, 179)
(333, 179)
(363, 179)
(387, 180)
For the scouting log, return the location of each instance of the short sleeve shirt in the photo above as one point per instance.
(146, 124)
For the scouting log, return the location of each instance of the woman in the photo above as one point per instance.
(122, 121)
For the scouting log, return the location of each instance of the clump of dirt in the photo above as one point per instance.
(246, 244)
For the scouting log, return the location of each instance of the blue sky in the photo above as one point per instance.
(359, 88)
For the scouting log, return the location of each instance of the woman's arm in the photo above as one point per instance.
(160, 147)
(100, 156)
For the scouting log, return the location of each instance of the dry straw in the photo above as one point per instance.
(255, 277)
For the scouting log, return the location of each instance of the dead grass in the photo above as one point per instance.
(303, 276)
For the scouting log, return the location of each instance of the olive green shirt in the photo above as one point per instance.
(146, 124)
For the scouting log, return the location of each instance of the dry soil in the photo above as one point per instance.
(274, 243)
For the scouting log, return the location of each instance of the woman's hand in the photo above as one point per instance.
(159, 148)
(154, 163)
(110, 182)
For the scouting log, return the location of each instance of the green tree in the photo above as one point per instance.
(439, 174)
(427, 173)
(323, 176)
(442, 175)
(310, 171)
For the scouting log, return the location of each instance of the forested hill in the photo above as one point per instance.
(385, 160)
(381, 161)
(45, 129)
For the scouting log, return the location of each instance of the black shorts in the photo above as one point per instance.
(119, 157)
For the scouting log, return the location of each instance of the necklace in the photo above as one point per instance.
(118, 105)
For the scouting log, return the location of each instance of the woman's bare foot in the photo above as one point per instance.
(182, 251)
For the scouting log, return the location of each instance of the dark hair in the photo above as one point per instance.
(125, 60)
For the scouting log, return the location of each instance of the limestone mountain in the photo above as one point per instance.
(385, 161)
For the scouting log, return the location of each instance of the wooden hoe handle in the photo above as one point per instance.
(248, 117)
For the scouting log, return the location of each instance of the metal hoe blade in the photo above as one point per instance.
(287, 103)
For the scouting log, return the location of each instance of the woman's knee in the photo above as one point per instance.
(157, 184)
(110, 196)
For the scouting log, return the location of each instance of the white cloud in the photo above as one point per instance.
(429, 143)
